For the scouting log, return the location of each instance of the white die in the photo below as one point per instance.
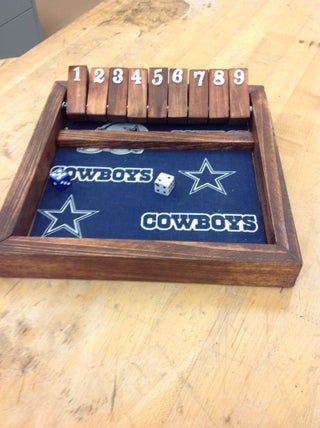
(164, 184)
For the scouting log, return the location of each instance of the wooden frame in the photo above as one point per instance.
(276, 263)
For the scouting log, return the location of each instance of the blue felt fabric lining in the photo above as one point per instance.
(112, 196)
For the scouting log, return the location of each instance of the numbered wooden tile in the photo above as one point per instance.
(98, 93)
(178, 96)
(118, 94)
(158, 95)
(137, 95)
(218, 95)
(198, 96)
(239, 94)
(77, 92)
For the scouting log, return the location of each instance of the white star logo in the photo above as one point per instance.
(68, 209)
(213, 180)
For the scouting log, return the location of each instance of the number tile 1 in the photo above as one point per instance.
(239, 95)
(118, 94)
(137, 94)
(98, 93)
(77, 92)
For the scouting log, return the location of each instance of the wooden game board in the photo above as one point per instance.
(241, 121)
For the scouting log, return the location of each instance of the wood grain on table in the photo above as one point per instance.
(98, 354)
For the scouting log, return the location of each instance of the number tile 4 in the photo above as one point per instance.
(137, 95)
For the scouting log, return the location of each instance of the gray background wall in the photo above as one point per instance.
(19, 27)
(24, 23)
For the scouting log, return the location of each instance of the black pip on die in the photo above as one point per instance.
(164, 184)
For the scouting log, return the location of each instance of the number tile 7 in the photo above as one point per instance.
(198, 97)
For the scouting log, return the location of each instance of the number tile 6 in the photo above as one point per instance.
(178, 96)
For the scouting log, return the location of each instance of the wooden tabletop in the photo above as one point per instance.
(102, 353)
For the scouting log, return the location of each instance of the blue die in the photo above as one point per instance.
(60, 179)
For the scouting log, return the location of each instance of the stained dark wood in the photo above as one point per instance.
(274, 264)
(98, 93)
(239, 97)
(137, 95)
(118, 95)
(264, 201)
(77, 92)
(217, 140)
(218, 95)
(26, 189)
(178, 97)
(238, 264)
(272, 180)
(198, 97)
(157, 96)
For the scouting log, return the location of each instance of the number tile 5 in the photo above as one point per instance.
(157, 95)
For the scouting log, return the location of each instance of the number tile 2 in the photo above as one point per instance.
(77, 91)
(157, 95)
(137, 95)
(98, 93)
(198, 97)
(118, 94)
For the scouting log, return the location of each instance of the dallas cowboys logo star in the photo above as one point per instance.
(67, 218)
(210, 178)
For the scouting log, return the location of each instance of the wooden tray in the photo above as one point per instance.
(276, 263)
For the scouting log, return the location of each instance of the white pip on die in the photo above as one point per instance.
(164, 184)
